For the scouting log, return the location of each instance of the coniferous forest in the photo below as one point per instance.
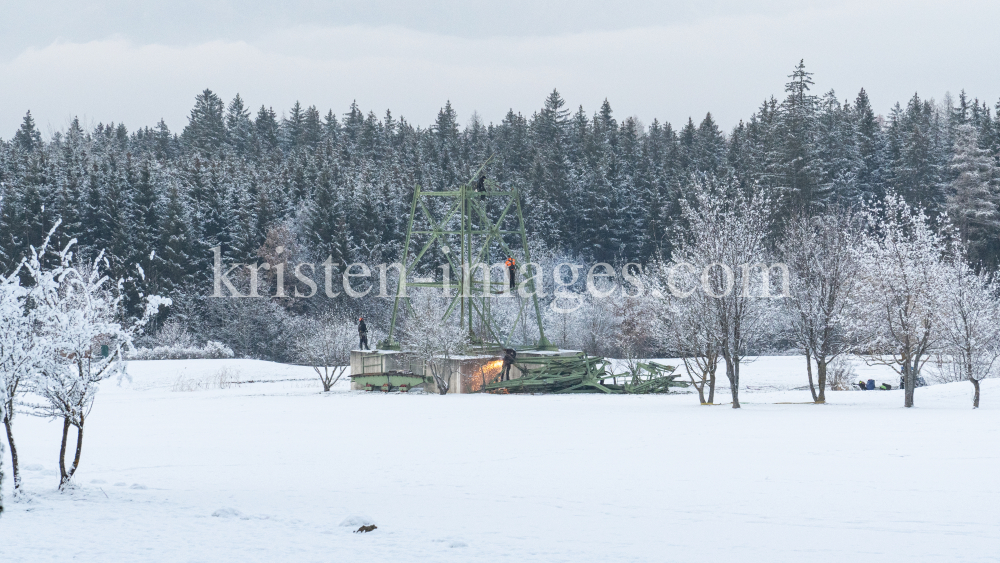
(595, 187)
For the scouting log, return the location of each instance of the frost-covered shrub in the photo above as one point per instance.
(840, 374)
(174, 334)
(211, 351)
(225, 378)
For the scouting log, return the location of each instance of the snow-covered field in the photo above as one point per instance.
(176, 468)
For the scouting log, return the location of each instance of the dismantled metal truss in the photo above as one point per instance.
(585, 374)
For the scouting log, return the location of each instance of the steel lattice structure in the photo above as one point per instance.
(462, 215)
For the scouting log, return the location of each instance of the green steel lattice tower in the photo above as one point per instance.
(462, 217)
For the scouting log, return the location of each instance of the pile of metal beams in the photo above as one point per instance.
(585, 374)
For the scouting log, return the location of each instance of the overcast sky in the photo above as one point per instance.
(135, 61)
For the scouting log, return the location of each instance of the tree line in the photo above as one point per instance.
(593, 186)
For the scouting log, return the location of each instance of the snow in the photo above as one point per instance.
(275, 470)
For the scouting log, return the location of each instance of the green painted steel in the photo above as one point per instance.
(581, 373)
(459, 220)
(455, 228)
(389, 381)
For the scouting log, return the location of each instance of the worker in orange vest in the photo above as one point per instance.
(512, 268)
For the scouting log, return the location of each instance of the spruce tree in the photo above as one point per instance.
(174, 261)
(800, 190)
(292, 128)
(312, 129)
(871, 149)
(836, 151)
(916, 155)
(325, 223)
(331, 128)
(265, 129)
(166, 144)
(27, 137)
(973, 202)
(145, 226)
(551, 181)
(709, 150)
(239, 128)
(206, 129)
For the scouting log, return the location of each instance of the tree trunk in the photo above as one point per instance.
(711, 385)
(340, 373)
(911, 382)
(733, 373)
(441, 383)
(63, 477)
(16, 472)
(324, 377)
(699, 386)
(79, 448)
(821, 377)
(908, 395)
(975, 405)
(809, 374)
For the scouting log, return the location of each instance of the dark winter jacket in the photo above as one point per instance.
(362, 328)
(509, 356)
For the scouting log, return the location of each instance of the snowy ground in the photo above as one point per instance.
(176, 469)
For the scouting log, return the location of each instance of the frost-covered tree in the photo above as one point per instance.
(79, 315)
(327, 348)
(683, 326)
(970, 334)
(725, 244)
(600, 323)
(819, 253)
(20, 352)
(432, 341)
(634, 337)
(899, 308)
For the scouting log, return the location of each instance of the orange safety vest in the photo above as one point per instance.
(509, 262)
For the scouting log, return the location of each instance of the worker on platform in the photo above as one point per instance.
(509, 356)
(512, 269)
(363, 333)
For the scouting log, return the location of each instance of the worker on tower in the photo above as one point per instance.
(363, 333)
(481, 186)
(509, 356)
(511, 268)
